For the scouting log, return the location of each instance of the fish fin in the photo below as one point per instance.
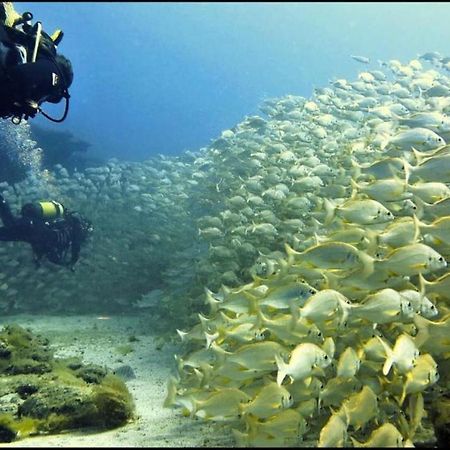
(290, 253)
(389, 357)
(171, 392)
(355, 187)
(330, 211)
(210, 338)
(368, 264)
(182, 335)
(282, 369)
(417, 224)
(407, 169)
(418, 155)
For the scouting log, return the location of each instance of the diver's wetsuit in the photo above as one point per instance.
(50, 238)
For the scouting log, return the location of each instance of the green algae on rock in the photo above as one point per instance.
(41, 394)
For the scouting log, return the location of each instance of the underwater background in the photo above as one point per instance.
(245, 164)
(154, 77)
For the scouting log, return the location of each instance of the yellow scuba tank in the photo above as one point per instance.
(51, 209)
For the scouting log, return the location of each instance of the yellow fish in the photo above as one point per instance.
(411, 260)
(324, 305)
(385, 306)
(304, 358)
(433, 336)
(385, 436)
(360, 407)
(439, 287)
(348, 364)
(420, 377)
(402, 231)
(255, 356)
(362, 212)
(430, 192)
(387, 190)
(221, 405)
(439, 229)
(270, 400)
(403, 355)
(334, 432)
(333, 255)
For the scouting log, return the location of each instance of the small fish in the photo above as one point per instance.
(440, 286)
(221, 405)
(384, 436)
(421, 305)
(385, 306)
(387, 190)
(362, 212)
(402, 231)
(333, 255)
(348, 364)
(420, 377)
(412, 260)
(403, 356)
(420, 138)
(334, 432)
(360, 407)
(304, 358)
(429, 192)
(324, 305)
(270, 400)
(433, 336)
(440, 228)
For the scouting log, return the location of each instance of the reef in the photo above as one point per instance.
(41, 394)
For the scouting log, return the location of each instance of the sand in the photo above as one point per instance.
(96, 339)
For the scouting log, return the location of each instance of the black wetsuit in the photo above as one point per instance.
(50, 238)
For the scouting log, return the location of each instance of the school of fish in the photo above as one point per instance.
(337, 334)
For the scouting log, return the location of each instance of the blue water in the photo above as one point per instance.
(168, 77)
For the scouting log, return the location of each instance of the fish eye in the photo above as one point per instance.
(326, 357)
(441, 259)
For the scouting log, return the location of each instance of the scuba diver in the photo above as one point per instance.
(31, 70)
(49, 227)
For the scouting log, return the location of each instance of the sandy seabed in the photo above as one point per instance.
(96, 339)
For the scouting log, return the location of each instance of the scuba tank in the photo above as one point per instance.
(43, 210)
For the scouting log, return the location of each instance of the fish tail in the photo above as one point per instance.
(423, 333)
(219, 352)
(171, 392)
(182, 335)
(373, 241)
(355, 170)
(389, 357)
(417, 224)
(210, 338)
(368, 264)
(418, 155)
(290, 253)
(355, 187)
(330, 211)
(282, 369)
(420, 206)
(407, 169)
